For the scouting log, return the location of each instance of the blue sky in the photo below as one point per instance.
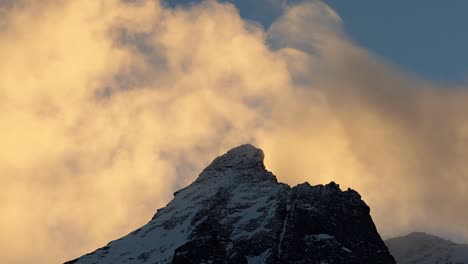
(427, 38)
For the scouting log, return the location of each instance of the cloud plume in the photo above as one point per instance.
(109, 106)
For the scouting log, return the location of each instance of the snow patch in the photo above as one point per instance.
(346, 249)
(320, 237)
(285, 223)
(260, 259)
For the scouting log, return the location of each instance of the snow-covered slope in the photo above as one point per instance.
(237, 212)
(423, 248)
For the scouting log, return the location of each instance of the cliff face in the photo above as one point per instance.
(237, 212)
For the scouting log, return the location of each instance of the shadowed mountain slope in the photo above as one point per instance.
(422, 248)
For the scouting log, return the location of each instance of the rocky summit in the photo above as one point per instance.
(237, 212)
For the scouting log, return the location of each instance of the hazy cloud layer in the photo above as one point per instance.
(107, 107)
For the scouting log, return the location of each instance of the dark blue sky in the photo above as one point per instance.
(428, 38)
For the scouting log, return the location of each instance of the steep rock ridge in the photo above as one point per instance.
(237, 212)
(422, 248)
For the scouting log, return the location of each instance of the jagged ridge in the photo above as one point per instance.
(237, 212)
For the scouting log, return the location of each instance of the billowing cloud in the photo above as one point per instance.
(109, 106)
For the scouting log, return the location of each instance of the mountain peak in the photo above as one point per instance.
(237, 212)
(245, 149)
(418, 237)
(420, 247)
(243, 156)
(244, 162)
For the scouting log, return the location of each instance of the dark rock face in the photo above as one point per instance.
(237, 212)
(326, 224)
